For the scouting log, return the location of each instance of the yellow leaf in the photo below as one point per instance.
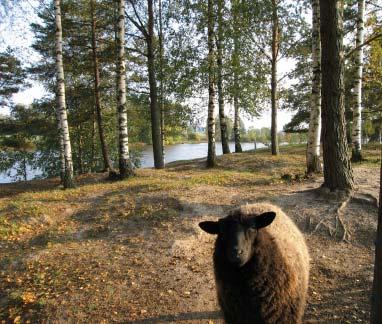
(28, 297)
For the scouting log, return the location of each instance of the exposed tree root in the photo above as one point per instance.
(340, 227)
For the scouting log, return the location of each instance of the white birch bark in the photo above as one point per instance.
(313, 150)
(125, 166)
(61, 143)
(63, 118)
(357, 118)
(211, 156)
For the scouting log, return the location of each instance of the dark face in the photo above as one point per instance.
(237, 237)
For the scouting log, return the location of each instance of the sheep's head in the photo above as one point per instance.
(238, 234)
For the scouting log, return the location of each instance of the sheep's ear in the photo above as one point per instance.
(264, 219)
(210, 227)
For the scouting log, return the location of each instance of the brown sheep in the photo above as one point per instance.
(261, 266)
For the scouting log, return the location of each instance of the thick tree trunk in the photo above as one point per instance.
(357, 119)
(68, 174)
(211, 156)
(97, 94)
(376, 302)
(154, 108)
(274, 91)
(162, 96)
(313, 163)
(222, 117)
(337, 169)
(125, 165)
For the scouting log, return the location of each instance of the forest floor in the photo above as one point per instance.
(132, 252)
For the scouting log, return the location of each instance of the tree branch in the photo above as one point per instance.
(136, 51)
(366, 42)
(140, 25)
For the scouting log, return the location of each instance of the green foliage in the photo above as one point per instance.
(12, 76)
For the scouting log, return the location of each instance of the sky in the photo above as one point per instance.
(17, 34)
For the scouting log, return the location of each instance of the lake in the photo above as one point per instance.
(186, 151)
(173, 153)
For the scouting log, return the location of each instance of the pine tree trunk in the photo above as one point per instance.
(357, 118)
(154, 108)
(68, 175)
(211, 156)
(338, 174)
(376, 300)
(93, 145)
(97, 94)
(274, 91)
(313, 163)
(162, 96)
(222, 117)
(125, 165)
(80, 150)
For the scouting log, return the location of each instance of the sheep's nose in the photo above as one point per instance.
(238, 251)
(237, 254)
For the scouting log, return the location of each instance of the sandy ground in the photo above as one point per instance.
(156, 267)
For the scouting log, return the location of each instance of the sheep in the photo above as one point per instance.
(261, 265)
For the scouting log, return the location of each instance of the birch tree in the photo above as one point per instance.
(236, 69)
(338, 174)
(125, 165)
(314, 134)
(357, 91)
(161, 77)
(63, 119)
(222, 116)
(211, 155)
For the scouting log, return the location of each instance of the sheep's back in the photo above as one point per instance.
(291, 244)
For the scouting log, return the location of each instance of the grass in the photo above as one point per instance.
(48, 234)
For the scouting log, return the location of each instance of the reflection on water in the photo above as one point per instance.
(173, 153)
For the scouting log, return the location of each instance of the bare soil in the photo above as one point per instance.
(132, 252)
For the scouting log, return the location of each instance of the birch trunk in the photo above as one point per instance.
(236, 68)
(67, 150)
(274, 90)
(97, 94)
(236, 125)
(376, 300)
(162, 97)
(338, 174)
(61, 143)
(357, 118)
(154, 108)
(313, 163)
(222, 117)
(211, 156)
(125, 165)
